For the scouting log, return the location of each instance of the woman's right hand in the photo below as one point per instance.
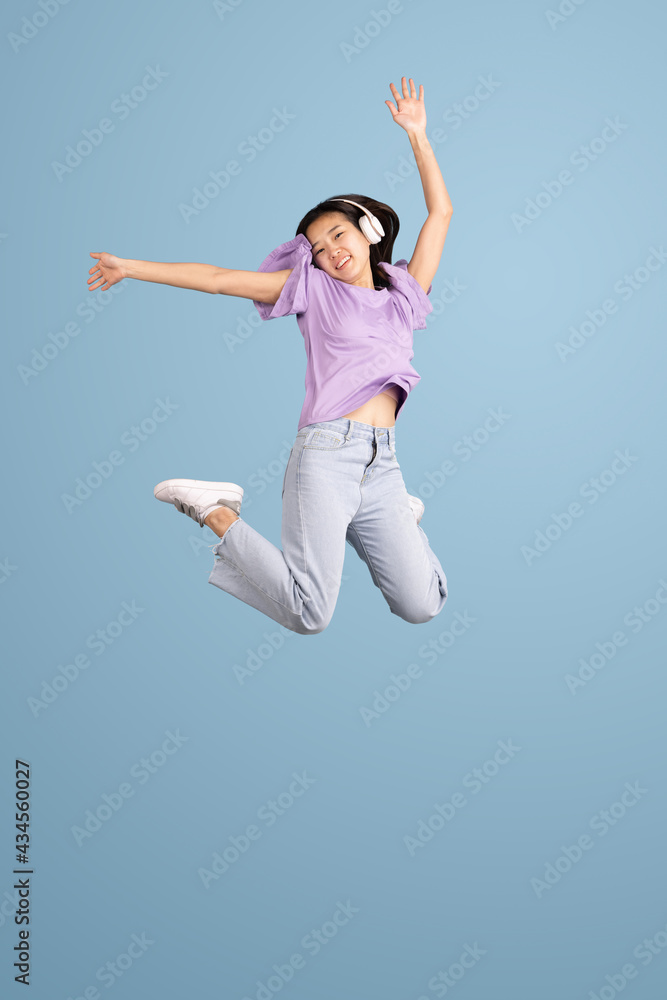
(106, 272)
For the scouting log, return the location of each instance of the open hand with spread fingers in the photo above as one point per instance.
(108, 270)
(409, 111)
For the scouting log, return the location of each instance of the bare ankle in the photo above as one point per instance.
(219, 520)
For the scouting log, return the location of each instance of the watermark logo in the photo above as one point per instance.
(249, 149)
(606, 650)
(455, 116)
(444, 980)
(112, 971)
(591, 490)
(98, 642)
(364, 34)
(582, 157)
(122, 107)
(268, 813)
(463, 449)
(113, 802)
(245, 327)
(565, 10)
(400, 683)
(6, 570)
(596, 318)
(601, 823)
(223, 7)
(644, 952)
(312, 942)
(444, 812)
(57, 342)
(131, 439)
(30, 26)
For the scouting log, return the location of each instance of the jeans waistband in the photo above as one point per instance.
(357, 429)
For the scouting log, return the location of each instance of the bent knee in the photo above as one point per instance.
(419, 614)
(313, 624)
(310, 629)
(415, 618)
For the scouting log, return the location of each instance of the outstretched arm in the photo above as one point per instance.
(262, 286)
(410, 114)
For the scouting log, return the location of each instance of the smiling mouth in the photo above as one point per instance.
(344, 262)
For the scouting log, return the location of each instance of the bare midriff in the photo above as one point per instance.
(380, 411)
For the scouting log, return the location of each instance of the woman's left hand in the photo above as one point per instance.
(410, 112)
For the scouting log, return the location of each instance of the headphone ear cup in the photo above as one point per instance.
(365, 227)
(369, 224)
(371, 227)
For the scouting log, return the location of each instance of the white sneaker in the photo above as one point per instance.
(417, 507)
(197, 498)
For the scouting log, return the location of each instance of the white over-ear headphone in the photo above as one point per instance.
(369, 224)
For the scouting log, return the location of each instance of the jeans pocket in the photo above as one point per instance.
(324, 439)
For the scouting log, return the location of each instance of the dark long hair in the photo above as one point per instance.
(379, 252)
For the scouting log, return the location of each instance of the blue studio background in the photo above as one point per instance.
(472, 807)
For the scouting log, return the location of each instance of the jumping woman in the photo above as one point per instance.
(357, 313)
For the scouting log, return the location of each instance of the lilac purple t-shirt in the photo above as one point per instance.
(358, 340)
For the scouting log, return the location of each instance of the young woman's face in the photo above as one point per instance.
(333, 238)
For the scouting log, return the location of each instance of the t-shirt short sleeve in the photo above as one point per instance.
(411, 292)
(295, 254)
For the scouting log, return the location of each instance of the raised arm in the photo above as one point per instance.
(410, 114)
(262, 286)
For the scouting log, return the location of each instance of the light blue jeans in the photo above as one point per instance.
(342, 483)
